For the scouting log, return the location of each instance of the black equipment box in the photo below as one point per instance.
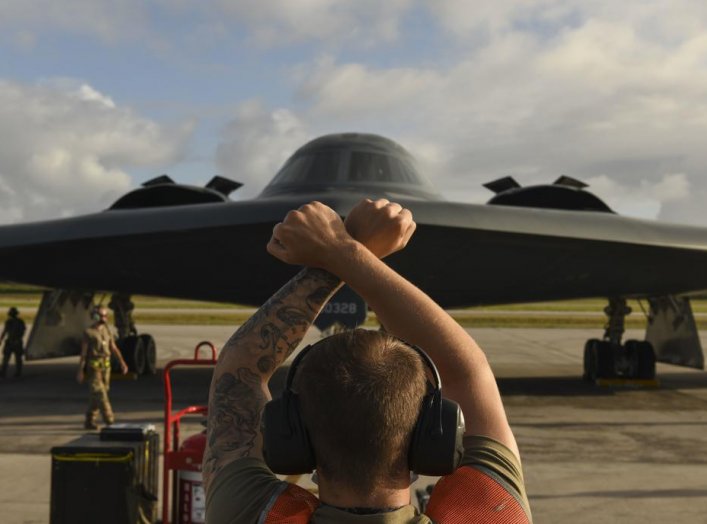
(99, 479)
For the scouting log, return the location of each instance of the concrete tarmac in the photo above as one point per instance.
(590, 454)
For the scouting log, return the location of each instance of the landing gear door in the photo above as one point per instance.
(59, 324)
(673, 333)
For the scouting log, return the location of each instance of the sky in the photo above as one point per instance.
(98, 96)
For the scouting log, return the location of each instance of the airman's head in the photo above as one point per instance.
(99, 314)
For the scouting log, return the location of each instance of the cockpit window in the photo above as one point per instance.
(321, 166)
(373, 167)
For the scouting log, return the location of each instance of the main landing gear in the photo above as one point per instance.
(139, 351)
(609, 358)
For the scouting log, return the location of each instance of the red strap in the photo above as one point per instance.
(295, 505)
(469, 495)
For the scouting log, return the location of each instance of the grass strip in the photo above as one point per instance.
(584, 313)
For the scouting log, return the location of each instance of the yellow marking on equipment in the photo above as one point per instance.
(94, 457)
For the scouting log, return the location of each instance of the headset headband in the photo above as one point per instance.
(436, 394)
(436, 441)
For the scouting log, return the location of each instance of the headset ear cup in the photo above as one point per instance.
(286, 446)
(453, 424)
(416, 458)
(431, 452)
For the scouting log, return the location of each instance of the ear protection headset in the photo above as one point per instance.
(435, 448)
(96, 313)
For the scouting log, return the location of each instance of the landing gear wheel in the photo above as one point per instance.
(642, 358)
(134, 353)
(589, 365)
(605, 355)
(598, 360)
(150, 349)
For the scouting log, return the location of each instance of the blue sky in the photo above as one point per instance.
(97, 97)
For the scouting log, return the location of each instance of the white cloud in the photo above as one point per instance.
(596, 96)
(365, 22)
(534, 89)
(256, 143)
(645, 199)
(65, 151)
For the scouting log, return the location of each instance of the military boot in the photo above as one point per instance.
(90, 422)
(108, 416)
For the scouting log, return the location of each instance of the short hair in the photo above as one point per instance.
(360, 395)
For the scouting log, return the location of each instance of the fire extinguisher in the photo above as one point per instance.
(190, 500)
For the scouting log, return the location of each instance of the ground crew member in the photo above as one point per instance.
(94, 365)
(360, 403)
(14, 330)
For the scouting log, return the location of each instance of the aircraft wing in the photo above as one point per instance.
(461, 254)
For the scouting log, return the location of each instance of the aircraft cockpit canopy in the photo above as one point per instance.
(373, 163)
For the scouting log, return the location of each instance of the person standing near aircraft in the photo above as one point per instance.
(14, 330)
(358, 400)
(94, 365)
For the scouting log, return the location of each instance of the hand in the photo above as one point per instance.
(123, 367)
(383, 227)
(311, 236)
(80, 375)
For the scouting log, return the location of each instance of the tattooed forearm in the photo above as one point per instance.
(234, 416)
(248, 360)
(280, 324)
(269, 335)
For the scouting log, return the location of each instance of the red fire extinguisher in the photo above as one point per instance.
(191, 499)
(182, 460)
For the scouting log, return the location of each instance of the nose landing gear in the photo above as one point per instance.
(609, 358)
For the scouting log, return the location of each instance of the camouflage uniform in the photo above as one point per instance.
(14, 330)
(98, 341)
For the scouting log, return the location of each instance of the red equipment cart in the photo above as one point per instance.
(183, 461)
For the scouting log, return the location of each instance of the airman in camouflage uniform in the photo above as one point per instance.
(94, 366)
(14, 330)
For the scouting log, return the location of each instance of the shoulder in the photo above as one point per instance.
(489, 481)
(241, 491)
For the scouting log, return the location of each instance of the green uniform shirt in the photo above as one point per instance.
(98, 340)
(240, 491)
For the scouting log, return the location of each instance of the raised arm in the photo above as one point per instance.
(239, 387)
(410, 314)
